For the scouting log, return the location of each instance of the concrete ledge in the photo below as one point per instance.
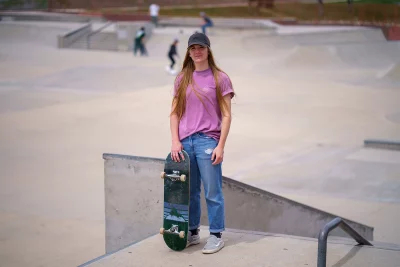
(133, 199)
(234, 23)
(71, 37)
(391, 31)
(134, 206)
(47, 16)
(381, 143)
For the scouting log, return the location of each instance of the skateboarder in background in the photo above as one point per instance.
(139, 42)
(207, 22)
(171, 53)
(200, 120)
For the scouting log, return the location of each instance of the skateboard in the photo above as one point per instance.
(176, 177)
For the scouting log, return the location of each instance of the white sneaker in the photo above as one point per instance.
(167, 68)
(193, 239)
(214, 244)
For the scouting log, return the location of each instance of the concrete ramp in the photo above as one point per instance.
(43, 33)
(134, 203)
(393, 73)
(375, 55)
(321, 57)
(252, 249)
(342, 35)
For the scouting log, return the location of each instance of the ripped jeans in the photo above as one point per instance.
(200, 147)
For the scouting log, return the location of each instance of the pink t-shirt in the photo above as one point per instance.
(203, 117)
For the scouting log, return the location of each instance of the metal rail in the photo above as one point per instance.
(323, 238)
(88, 37)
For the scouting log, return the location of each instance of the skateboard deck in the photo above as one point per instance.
(176, 177)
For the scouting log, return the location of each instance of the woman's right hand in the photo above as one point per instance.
(176, 150)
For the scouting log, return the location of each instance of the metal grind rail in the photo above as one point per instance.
(323, 238)
(88, 37)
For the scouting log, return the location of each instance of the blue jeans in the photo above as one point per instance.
(200, 148)
(204, 26)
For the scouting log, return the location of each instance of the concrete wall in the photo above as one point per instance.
(133, 199)
(134, 205)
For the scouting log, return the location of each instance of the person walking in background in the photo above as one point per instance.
(139, 42)
(200, 120)
(171, 53)
(207, 22)
(154, 9)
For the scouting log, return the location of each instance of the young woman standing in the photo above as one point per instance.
(200, 121)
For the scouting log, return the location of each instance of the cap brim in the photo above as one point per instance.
(198, 43)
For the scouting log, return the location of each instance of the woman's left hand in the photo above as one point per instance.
(217, 155)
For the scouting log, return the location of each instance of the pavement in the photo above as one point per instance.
(305, 103)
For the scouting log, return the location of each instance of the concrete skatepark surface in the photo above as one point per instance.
(251, 249)
(305, 104)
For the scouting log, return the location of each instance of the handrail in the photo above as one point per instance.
(68, 34)
(67, 39)
(95, 32)
(323, 238)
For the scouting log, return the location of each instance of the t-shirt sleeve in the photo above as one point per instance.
(226, 85)
(176, 84)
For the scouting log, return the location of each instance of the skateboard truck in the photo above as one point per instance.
(173, 230)
(174, 176)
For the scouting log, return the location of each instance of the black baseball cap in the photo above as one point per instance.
(199, 39)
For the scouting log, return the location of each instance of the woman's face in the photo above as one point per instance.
(198, 53)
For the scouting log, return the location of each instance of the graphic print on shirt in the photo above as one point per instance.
(203, 94)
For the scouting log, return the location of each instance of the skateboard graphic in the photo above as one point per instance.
(176, 177)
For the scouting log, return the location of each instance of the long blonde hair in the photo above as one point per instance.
(186, 79)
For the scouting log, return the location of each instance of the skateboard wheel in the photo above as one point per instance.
(162, 231)
(183, 177)
(182, 234)
(162, 175)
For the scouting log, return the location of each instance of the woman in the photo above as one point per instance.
(200, 121)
